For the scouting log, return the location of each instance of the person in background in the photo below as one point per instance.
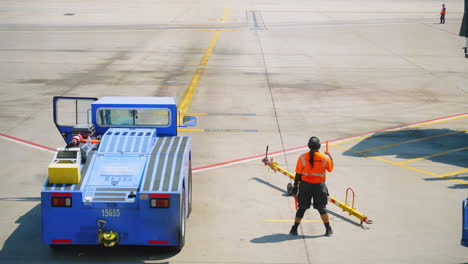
(442, 14)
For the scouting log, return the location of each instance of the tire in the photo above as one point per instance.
(190, 190)
(289, 188)
(182, 223)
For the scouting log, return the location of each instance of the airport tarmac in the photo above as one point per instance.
(382, 81)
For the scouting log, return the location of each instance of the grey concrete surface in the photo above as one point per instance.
(288, 70)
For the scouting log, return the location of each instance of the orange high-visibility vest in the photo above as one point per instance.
(443, 11)
(316, 174)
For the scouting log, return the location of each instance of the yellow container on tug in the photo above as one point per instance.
(65, 167)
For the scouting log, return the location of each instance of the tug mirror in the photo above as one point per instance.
(189, 121)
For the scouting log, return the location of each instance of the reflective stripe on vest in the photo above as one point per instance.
(313, 174)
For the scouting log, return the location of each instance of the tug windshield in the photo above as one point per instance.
(134, 117)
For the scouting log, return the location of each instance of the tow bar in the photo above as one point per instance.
(345, 206)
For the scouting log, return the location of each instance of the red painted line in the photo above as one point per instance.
(243, 159)
(330, 141)
(158, 242)
(61, 240)
(257, 156)
(157, 195)
(26, 142)
(60, 194)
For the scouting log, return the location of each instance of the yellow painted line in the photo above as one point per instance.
(454, 173)
(291, 221)
(410, 141)
(404, 166)
(190, 129)
(397, 130)
(186, 100)
(189, 92)
(226, 12)
(431, 156)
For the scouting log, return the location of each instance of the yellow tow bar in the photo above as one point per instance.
(345, 206)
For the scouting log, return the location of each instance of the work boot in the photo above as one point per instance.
(328, 232)
(293, 231)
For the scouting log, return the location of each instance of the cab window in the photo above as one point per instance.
(134, 117)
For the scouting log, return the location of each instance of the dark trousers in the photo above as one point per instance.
(442, 18)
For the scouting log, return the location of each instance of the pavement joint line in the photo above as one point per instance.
(399, 128)
(433, 155)
(285, 27)
(125, 30)
(443, 29)
(410, 141)
(225, 19)
(175, 81)
(214, 130)
(444, 176)
(192, 87)
(218, 30)
(256, 157)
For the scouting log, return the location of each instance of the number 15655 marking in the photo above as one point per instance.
(110, 212)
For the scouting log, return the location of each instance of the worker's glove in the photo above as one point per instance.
(294, 190)
(297, 179)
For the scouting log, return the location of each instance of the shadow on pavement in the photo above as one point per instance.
(342, 218)
(25, 245)
(444, 146)
(283, 191)
(277, 238)
(286, 194)
(461, 176)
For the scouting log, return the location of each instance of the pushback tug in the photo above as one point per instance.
(124, 177)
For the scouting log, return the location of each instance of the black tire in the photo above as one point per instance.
(182, 223)
(58, 248)
(190, 190)
(289, 188)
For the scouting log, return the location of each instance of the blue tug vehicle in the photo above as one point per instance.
(124, 177)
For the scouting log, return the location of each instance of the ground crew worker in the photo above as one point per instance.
(442, 14)
(310, 182)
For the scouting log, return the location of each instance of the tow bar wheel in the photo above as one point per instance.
(289, 188)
